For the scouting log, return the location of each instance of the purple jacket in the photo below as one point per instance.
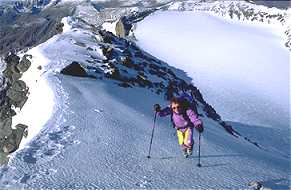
(178, 119)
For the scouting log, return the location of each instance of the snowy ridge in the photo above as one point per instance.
(107, 56)
(97, 136)
(102, 52)
(86, 132)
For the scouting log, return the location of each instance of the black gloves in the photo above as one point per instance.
(157, 108)
(199, 128)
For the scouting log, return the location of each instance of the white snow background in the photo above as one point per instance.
(94, 135)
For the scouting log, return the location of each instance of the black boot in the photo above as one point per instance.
(185, 153)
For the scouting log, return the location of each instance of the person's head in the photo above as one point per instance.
(176, 105)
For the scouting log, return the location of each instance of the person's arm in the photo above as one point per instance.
(194, 118)
(165, 112)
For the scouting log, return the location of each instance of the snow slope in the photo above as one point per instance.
(241, 69)
(98, 134)
(89, 143)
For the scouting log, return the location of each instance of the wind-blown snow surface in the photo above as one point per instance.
(98, 137)
(241, 69)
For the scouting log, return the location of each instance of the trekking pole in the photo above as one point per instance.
(149, 155)
(199, 164)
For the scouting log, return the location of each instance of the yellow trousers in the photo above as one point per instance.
(185, 137)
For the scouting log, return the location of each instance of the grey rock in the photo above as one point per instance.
(24, 65)
(11, 75)
(12, 142)
(3, 87)
(18, 133)
(3, 158)
(120, 29)
(74, 69)
(13, 92)
(17, 93)
(59, 27)
(12, 59)
(15, 76)
(6, 111)
(13, 68)
(5, 127)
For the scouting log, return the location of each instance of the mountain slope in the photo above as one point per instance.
(99, 131)
(101, 147)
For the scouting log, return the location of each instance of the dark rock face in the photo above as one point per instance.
(59, 27)
(74, 69)
(17, 93)
(211, 112)
(16, 33)
(3, 85)
(13, 93)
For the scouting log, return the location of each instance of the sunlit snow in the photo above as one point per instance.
(241, 69)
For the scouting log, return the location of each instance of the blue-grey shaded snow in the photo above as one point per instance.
(81, 148)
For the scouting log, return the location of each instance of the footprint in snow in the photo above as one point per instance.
(98, 111)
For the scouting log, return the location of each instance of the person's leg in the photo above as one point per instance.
(181, 137)
(188, 140)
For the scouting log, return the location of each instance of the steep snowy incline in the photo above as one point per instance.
(99, 138)
(241, 69)
(98, 134)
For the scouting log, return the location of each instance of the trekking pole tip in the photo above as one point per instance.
(148, 157)
(199, 165)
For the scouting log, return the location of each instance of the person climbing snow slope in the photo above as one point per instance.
(184, 119)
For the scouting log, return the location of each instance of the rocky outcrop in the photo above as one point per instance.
(59, 27)
(12, 94)
(74, 69)
(120, 28)
(125, 23)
